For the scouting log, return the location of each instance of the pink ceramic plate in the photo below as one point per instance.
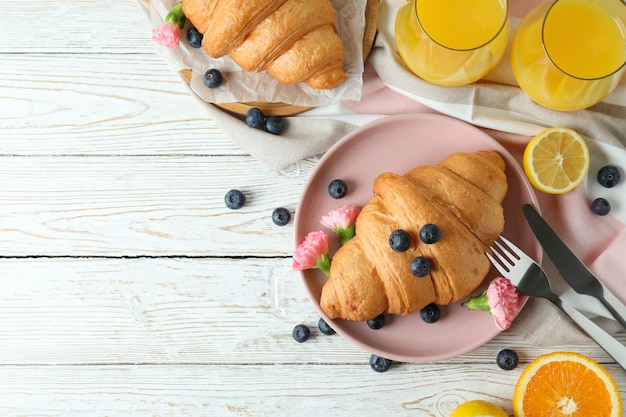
(397, 144)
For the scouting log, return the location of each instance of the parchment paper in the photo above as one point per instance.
(243, 86)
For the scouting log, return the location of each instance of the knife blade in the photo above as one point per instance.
(571, 268)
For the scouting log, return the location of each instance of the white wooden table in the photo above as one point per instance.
(127, 288)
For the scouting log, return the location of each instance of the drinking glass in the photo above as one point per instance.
(570, 54)
(452, 42)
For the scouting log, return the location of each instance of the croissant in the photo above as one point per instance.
(294, 40)
(462, 195)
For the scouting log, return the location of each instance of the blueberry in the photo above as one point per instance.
(255, 117)
(431, 313)
(430, 233)
(337, 189)
(600, 206)
(234, 199)
(609, 176)
(377, 322)
(212, 78)
(399, 240)
(274, 125)
(281, 216)
(507, 359)
(325, 327)
(301, 333)
(420, 266)
(194, 37)
(380, 364)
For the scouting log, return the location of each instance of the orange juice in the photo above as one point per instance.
(570, 54)
(452, 42)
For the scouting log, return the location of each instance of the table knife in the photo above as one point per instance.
(571, 268)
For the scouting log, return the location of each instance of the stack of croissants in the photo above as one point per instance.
(294, 40)
(462, 196)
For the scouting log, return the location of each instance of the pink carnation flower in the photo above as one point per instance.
(312, 253)
(168, 34)
(342, 221)
(501, 299)
(503, 302)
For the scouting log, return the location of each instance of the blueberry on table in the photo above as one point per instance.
(212, 78)
(194, 37)
(430, 314)
(430, 233)
(337, 189)
(600, 206)
(420, 266)
(399, 240)
(377, 322)
(255, 118)
(380, 364)
(281, 216)
(301, 333)
(325, 327)
(234, 199)
(274, 125)
(609, 176)
(507, 359)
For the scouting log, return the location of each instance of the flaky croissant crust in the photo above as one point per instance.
(462, 196)
(294, 40)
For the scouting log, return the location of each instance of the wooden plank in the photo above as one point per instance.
(253, 390)
(73, 26)
(154, 311)
(135, 206)
(176, 311)
(75, 87)
(101, 104)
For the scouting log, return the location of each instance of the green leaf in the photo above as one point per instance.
(176, 15)
(324, 264)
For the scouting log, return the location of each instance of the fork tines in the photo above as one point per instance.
(502, 255)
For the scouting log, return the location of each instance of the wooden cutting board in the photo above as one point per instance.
(283, 109)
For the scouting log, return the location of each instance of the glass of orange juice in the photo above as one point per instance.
(570, 54)
(452, 42)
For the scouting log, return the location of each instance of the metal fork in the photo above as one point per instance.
(530, 279)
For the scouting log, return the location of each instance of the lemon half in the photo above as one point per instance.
(556, 160)
(478, 408)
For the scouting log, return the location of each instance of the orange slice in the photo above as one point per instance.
(556, 160)
(566, 384)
